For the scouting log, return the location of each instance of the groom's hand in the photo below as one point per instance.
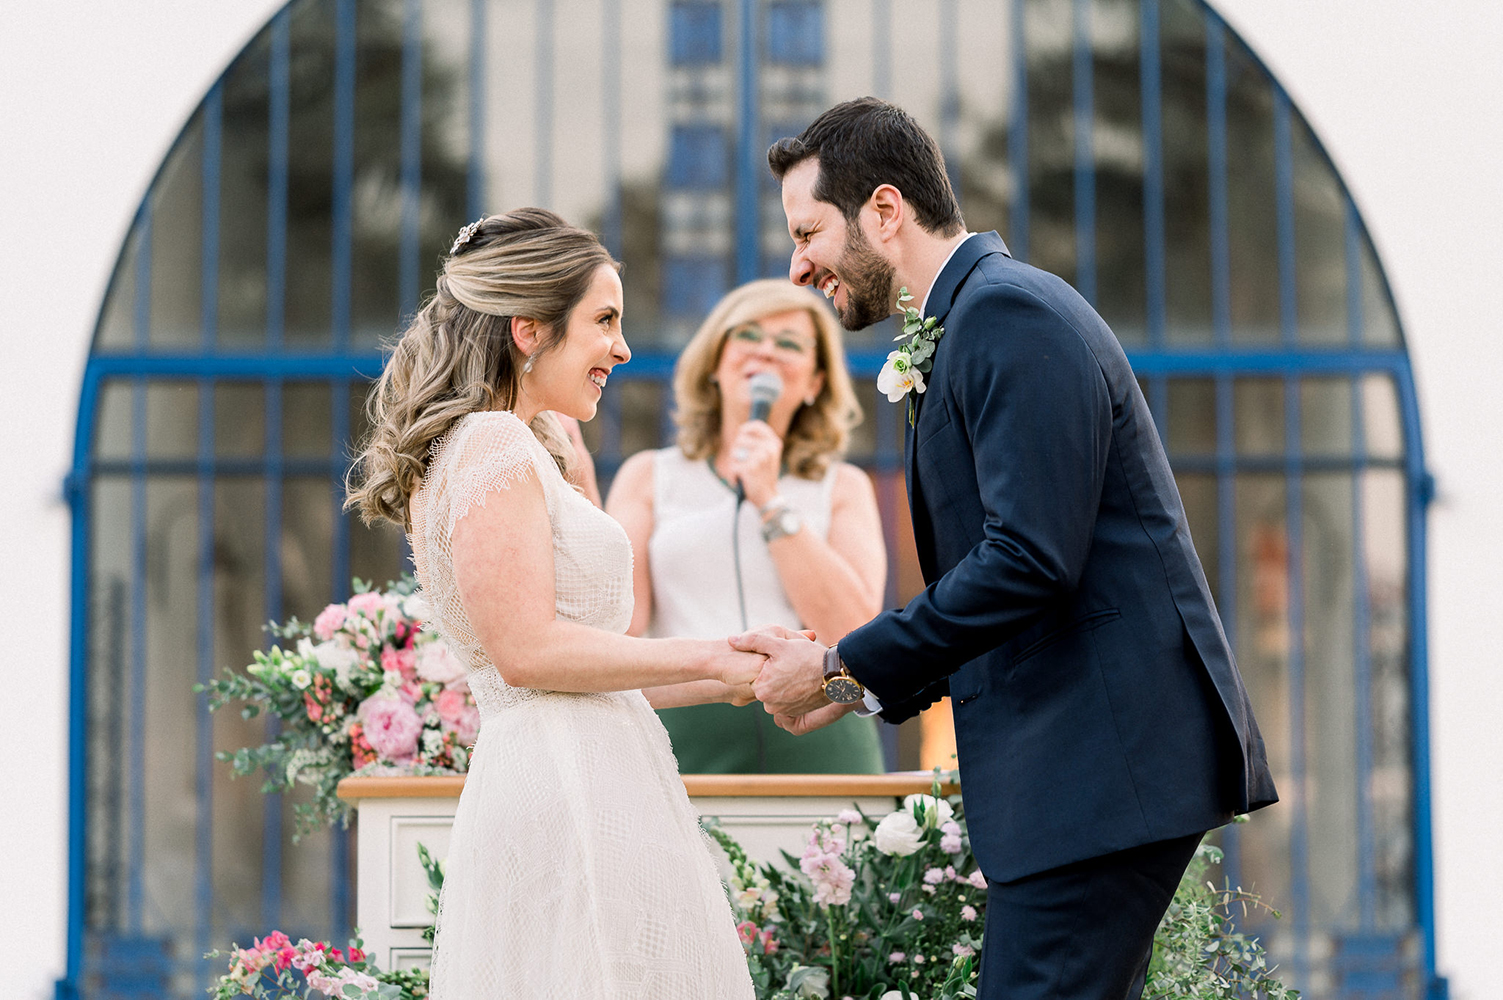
(800, 725)
(792, 679)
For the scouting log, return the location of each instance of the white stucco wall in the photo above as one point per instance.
(91, 96)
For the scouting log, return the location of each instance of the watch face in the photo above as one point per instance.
(843, 690)
(788, 522)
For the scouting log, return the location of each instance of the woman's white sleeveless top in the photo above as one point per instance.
(693, 565)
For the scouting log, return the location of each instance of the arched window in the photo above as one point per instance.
(1136, 147)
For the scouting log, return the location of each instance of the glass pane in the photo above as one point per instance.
(239, 420)
(1330, 716)
(1325, 413)
(117, 320)
(1383, 434)
(239, 612)
(1117, 145)
(1251, 218)
(177, 243)
(1380, 323)
(377, 192)
(1319, 242)
(1258, 407)
(242, 198)
(112, 427)
(1187, 226)
(1192, 416)
(310, 174)
(1048, 27)
(1262, 648)
(307, 415)
(307, 546)
(1198, 492)
(110, 662)
(986, 93)
(171, 419)
(171, 806)
(1391, 785)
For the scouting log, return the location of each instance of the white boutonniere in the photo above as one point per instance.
(905, 368)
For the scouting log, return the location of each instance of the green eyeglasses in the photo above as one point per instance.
(755, 336)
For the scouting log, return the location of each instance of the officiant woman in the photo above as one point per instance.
(807, 552)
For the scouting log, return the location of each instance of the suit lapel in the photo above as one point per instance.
(941, 297)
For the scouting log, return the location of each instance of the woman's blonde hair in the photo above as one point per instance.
(458, 354)
(819, 431)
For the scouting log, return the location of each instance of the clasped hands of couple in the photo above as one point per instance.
(784, 670)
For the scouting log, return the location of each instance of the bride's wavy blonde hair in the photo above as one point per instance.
(458, 354)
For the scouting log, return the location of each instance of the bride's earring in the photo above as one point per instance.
(528, 366)
(809, 400)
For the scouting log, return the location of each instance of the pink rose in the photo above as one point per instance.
(391, 726)
(329, 621)
(400, 661)
(369, 604)
(436, 662)
(457, 714)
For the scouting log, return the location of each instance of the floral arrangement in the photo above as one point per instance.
(362, 690)
(274, 968)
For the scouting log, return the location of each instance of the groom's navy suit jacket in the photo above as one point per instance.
(1097, 705)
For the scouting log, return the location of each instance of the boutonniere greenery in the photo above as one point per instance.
(905, 368)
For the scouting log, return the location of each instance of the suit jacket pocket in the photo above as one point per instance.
(1085, 623)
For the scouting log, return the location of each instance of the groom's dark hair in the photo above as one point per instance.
(865, 143)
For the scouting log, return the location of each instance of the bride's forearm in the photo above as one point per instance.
(565, 656)
(688, 693)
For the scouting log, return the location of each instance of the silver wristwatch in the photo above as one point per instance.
(782, 522)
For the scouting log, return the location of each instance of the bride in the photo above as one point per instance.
(576, 866)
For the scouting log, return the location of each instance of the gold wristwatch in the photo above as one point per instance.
(840, 686)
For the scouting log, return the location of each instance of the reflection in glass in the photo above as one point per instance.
(1380, 321)
(310, 175)
(171, 419)
(243, 185)
(1048, 26)
(307, 415)
(1325, 416)
(1187, 233)
(112, 427)
(177, 242)
(1319, 242)
(1258, 415)
(1117, 148)
(1192, 417)
(239, 420)
(1251, 218)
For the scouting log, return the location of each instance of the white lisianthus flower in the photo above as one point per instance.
(937, 812)
(300, 678)
(898, 834)
(898, 377)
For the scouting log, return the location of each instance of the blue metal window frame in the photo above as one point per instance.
(1222, 362)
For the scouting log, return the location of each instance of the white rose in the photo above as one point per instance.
(436, 662)
(415, 608)
(898, 834)
(338, 660)
(936, 811)
(898, 376)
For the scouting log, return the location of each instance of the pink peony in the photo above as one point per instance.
(329, 621)
(918, 914)
(896, 957)
(368, 605)
(391, 726)
(934, 876)
(458, 715)
(400, 661)
(967, 913)
(977, 879)
(962, 950)
(436, 662)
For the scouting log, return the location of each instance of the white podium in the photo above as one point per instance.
(765, 812)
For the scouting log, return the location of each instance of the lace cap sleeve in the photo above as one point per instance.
(488, 452)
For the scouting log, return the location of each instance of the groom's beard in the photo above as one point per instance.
(867, 279)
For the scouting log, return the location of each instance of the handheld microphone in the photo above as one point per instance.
(765, 388)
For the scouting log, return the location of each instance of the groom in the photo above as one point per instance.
(1101, 723)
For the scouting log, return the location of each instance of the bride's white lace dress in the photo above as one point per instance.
(576, 866)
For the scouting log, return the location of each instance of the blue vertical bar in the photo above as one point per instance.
(1221, 257)
(412, 156)
(1153, 172)
(543, 126)
(949, 63)
(203, 777)
(1017, 134)
(1226, 561)
(1085, 154)
(279, 113)
(1367, 864)
(610, 55)
(1419, 492)
(749, 154)
(276, 283)
(475, 199)
(339, 882)
(344, 169)
(135, 888)
(1283, 172)
(882, 49)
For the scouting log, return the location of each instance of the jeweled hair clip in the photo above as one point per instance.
(465, 235)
